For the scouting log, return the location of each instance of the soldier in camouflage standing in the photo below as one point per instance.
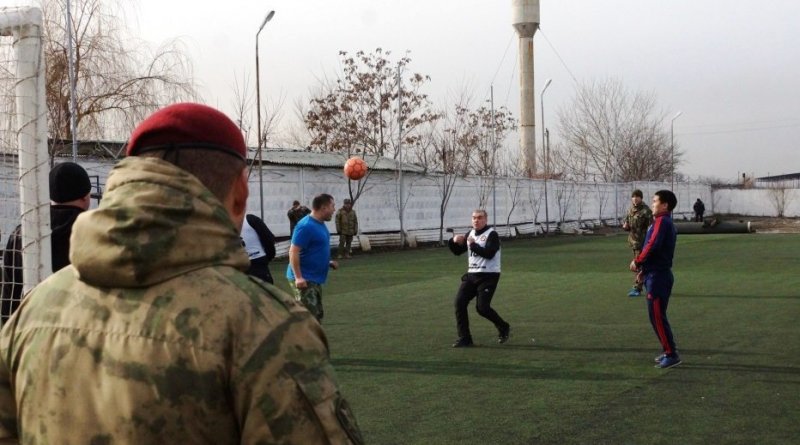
(346, 227)
(636, 223)
(155, 334)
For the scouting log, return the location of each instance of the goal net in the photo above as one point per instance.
(23, 153)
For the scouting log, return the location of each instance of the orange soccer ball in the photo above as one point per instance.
(355, 168)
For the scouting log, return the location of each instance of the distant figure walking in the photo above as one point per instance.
(699, 208)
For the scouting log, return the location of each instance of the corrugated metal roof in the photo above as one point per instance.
(331, 160)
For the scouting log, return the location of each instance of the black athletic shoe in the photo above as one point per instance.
(502, 337)
(463, 343)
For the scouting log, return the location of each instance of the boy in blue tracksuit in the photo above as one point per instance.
(654, 263)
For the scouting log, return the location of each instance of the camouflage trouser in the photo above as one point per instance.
(310, 297)
(637, 280)
(345, 243)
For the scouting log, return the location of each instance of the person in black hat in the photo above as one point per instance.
(70, 190)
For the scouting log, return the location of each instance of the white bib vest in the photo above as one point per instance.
(478, 263)
(252, 245)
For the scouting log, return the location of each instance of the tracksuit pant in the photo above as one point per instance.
(659, 289)
(480, 286)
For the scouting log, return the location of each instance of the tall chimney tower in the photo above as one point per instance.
(526, 22)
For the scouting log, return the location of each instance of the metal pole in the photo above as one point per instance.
(672, 147)
(546, 155)
(546, 147)
(73, 112)
(494, 156)
(258, 120)
(400, 152)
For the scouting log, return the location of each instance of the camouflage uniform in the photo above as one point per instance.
(153, 337)
(295, 214)
(346, 227)
(638, 219)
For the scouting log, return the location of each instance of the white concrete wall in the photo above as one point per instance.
(378, 208)
(757, 202)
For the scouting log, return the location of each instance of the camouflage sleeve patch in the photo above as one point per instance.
(8, 405)
(331, 408)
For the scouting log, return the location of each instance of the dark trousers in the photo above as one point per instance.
(659, 289)
(259, 267)
(480, 286)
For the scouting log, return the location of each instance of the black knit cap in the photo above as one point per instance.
(68, 182)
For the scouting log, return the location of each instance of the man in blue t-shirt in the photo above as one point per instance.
(310, 255)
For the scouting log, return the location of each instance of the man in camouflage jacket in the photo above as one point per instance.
(155, 334)
(346, 227)
(637, 221)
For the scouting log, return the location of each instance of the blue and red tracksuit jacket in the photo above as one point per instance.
(659, 245)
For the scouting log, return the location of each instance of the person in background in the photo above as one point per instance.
(636, 223)
(699, 208)
(259, 243)
(347, 228)
(70, 195)
(295, 214)
(154, 333)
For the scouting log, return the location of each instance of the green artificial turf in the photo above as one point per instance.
(588, 377)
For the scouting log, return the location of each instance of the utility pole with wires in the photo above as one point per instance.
(401, 202)
(494, 158)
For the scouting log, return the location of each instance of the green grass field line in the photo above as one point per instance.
(588, 378)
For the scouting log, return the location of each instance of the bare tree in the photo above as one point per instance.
(118, 80)
(535, 198)
(779, 198)
(451, 141)
(358, 112)
(565, 196)
(615, 134)
(602, 200)
(514, 193)
(242, 103)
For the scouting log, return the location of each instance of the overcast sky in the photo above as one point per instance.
(731, 66)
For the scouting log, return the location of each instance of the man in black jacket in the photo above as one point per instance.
(70, 196)
(259, 243)
(480, 281)
(699, 208)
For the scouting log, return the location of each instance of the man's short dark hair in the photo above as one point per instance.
(637, 193)
(216, 170)
(669, 198)
(321, 200)
(295, 203)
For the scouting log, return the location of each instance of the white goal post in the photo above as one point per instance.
(24, 160)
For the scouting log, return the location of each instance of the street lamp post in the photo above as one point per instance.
(546, 160)
(672, 147)
(73, 113)
(258, 118)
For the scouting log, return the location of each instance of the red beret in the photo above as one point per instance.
(189, 126)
